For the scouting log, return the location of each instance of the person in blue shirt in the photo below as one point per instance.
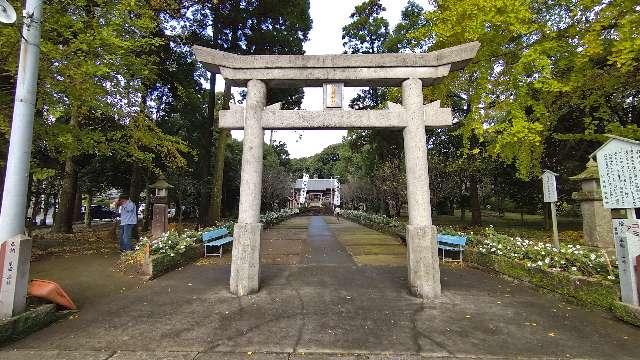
(128, 220)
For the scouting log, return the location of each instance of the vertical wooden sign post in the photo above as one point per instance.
(303, 192)
(336, 195)
(551, 196)
(619, 168)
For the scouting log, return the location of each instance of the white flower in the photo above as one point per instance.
(592, 257)
(610, 277)
(573, 268)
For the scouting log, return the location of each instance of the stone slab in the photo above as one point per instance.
(215, 58)
(55, 355)
(373, 240)
(386, 249)
(155, 355)
(352, 77)
(365, 119)
(350, 69)
(242, 356)
(381, 260)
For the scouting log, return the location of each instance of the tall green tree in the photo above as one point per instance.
(249, 27)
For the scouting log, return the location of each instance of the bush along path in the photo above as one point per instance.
(584, 275)
(175, 249)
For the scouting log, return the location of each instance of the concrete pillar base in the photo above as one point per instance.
(423, 263)
(245, 262)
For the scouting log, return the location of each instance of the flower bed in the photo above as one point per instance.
(175, 249)
(572, 259)
(271, 218)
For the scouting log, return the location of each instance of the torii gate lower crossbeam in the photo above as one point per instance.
(413, 116)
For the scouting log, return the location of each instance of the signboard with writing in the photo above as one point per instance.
(333, 95)
(303, 191)
(336, 196)
(15, 257)
(626, 234)
(549, 186)
(619, 168)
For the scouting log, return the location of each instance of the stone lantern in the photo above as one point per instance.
(596, 220)
(160, 222)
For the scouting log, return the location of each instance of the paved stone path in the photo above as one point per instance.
(338, 310)
(323, 247)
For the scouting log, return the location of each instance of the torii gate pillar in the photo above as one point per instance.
(245, 263)
(422, 256)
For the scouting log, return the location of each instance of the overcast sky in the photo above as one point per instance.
(329, 16)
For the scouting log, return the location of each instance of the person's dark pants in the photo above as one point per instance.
(125, 237)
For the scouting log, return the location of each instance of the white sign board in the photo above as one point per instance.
(15, 259)
(303, 191)
(333, 93)
(549, 186)
(336, 195)
(619, 168)
(626, 235)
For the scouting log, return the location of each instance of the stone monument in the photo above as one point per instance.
(410, 71)
(160, 221)
(15, 261)
(596, 219)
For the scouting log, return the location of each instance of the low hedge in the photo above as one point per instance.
(28, 322)
(156, 265)
(592, 293)
(376, 222)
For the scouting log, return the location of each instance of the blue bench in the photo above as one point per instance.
(451, 243)
(217, 237)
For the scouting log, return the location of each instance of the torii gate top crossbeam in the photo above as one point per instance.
(350, 69)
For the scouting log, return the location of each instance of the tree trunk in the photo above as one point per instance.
(476, 214)
(37, 202)
(204, 161)
(147, 216)
(135, 185)
(463, 213)
(135, 188)
(56, 203)
(77, 207)
(63, 222)
(87, 211)
(218, 170)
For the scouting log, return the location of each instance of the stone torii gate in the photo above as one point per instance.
(410, 71)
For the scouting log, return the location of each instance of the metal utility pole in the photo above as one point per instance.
(15, 248)
(14, 198)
